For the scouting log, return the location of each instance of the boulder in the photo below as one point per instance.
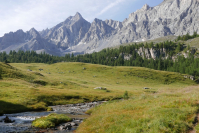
(7, 120)
(68, 126)
(186, 76)
(100, 88)
(73, 124)
(192, 77)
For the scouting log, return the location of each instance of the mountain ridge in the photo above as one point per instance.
(76, 35)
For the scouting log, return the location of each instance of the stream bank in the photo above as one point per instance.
(22, 121)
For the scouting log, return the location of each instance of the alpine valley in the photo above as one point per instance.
(78, 36)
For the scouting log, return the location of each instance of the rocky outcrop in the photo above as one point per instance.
(153, 53)
(189, 77)
(44, 33)
(114, 24)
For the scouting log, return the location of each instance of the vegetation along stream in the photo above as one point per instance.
(21, 122)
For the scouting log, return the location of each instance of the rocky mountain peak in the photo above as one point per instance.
(114, 24)
(20, 30)
(71, 20)
(78, 15)
(96, 20)
(145, 7)
(43, 33)
(33, 32)
(75, 18)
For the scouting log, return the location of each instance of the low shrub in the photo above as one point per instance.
(126, 95)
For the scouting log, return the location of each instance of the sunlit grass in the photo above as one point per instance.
(170, 104)
(51, 121)
(171, 112)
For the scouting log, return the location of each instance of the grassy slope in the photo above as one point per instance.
(164, 111)
(170, 98)
(193, 42)
(157, 40)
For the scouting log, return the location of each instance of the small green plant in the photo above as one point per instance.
(49, 109)
(126, 95)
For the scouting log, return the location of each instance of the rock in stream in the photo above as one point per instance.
(21, 122)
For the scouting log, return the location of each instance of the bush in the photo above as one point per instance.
(39, 106)
(126, 95)
(40, 82)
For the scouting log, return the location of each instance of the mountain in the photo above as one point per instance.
(171, 17)
(75, 34)
(30, 40)
(68, 33)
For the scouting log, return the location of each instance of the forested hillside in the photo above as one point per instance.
(167, 56)
(187, 36)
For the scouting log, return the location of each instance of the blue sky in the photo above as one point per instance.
(42, 14)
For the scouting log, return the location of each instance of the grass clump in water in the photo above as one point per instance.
(49, 109)
(51, 120)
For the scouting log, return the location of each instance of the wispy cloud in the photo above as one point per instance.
(111, 5)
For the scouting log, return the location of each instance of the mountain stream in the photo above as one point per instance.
(22, 121)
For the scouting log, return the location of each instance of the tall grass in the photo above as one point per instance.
(150, 114)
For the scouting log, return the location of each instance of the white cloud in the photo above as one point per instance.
(111, 5)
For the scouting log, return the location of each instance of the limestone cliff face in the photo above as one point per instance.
(114, 24)
(152, 53)
(75, 34)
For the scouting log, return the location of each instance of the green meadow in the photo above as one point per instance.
(170, 105)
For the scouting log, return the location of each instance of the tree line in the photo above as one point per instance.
(115, 57)
(187, 36)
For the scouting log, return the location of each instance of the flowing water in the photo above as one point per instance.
(22, 121)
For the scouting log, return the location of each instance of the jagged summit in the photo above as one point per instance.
(72, 19)
(20, 30)
(96, 20)
(78, 15)
(145, 7)
(33, 30)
